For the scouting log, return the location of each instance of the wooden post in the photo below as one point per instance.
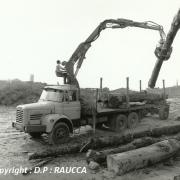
(101, 81)
(140, 86)
(94, 121)
(96, 98)
(100, 87)
(164, 90)
(127, 92)
(94, 113)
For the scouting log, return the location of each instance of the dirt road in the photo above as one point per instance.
(15, 146)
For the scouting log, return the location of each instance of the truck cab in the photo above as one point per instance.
(56, 113)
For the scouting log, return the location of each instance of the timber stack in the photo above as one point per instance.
(90, 97)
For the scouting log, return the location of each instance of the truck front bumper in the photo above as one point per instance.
(18, 126)
(29, 128)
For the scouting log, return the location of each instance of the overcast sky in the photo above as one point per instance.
(35, 33)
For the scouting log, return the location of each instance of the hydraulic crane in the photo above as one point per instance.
(79, 54)
(163, 52)
(63, 107)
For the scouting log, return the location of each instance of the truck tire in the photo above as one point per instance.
(121, 122)
(133, 120)
(35, 134)
(59, 134)
(118, 122)
(164, 113)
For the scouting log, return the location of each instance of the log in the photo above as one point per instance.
(132, 160)
(117, 99)
(100, 156)
(106, 141)
(74, 148)
(165, 130)
(144, 96)
(158, 131)
(115, 140)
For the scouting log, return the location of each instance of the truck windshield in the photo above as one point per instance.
(52, 95)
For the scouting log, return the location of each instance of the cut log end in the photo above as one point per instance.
(125, 162)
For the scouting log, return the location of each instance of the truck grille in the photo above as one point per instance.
(19, 115)
(35, 116)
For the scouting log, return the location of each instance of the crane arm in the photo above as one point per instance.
(79, 54)
(164, 51)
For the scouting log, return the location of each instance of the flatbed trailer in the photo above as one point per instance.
(127, 115)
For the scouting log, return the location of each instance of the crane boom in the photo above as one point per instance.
(79, 54)
(163, 53)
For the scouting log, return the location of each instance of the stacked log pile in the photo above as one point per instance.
(117, 99)
(126, 153)
(100, 156)
(107, 141)
(88, 99)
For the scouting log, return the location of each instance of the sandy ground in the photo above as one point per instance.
(15, 146)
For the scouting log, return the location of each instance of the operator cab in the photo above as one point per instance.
(60, 93)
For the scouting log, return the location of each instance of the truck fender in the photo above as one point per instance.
(51, 119)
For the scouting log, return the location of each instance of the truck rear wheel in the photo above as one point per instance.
(163, 113)
(59, 133)
(35, 134)
(118, 122)
(133, 120)
(121, 122)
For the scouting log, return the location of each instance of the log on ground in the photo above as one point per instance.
(100, 156)
(106, 141)
(132, 160)
(56, 151)
(158, 131)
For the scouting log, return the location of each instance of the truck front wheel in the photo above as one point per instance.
(59, 133)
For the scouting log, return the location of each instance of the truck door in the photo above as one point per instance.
(71, 105)
(58, 101)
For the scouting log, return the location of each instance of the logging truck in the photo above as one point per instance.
(62, 108)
